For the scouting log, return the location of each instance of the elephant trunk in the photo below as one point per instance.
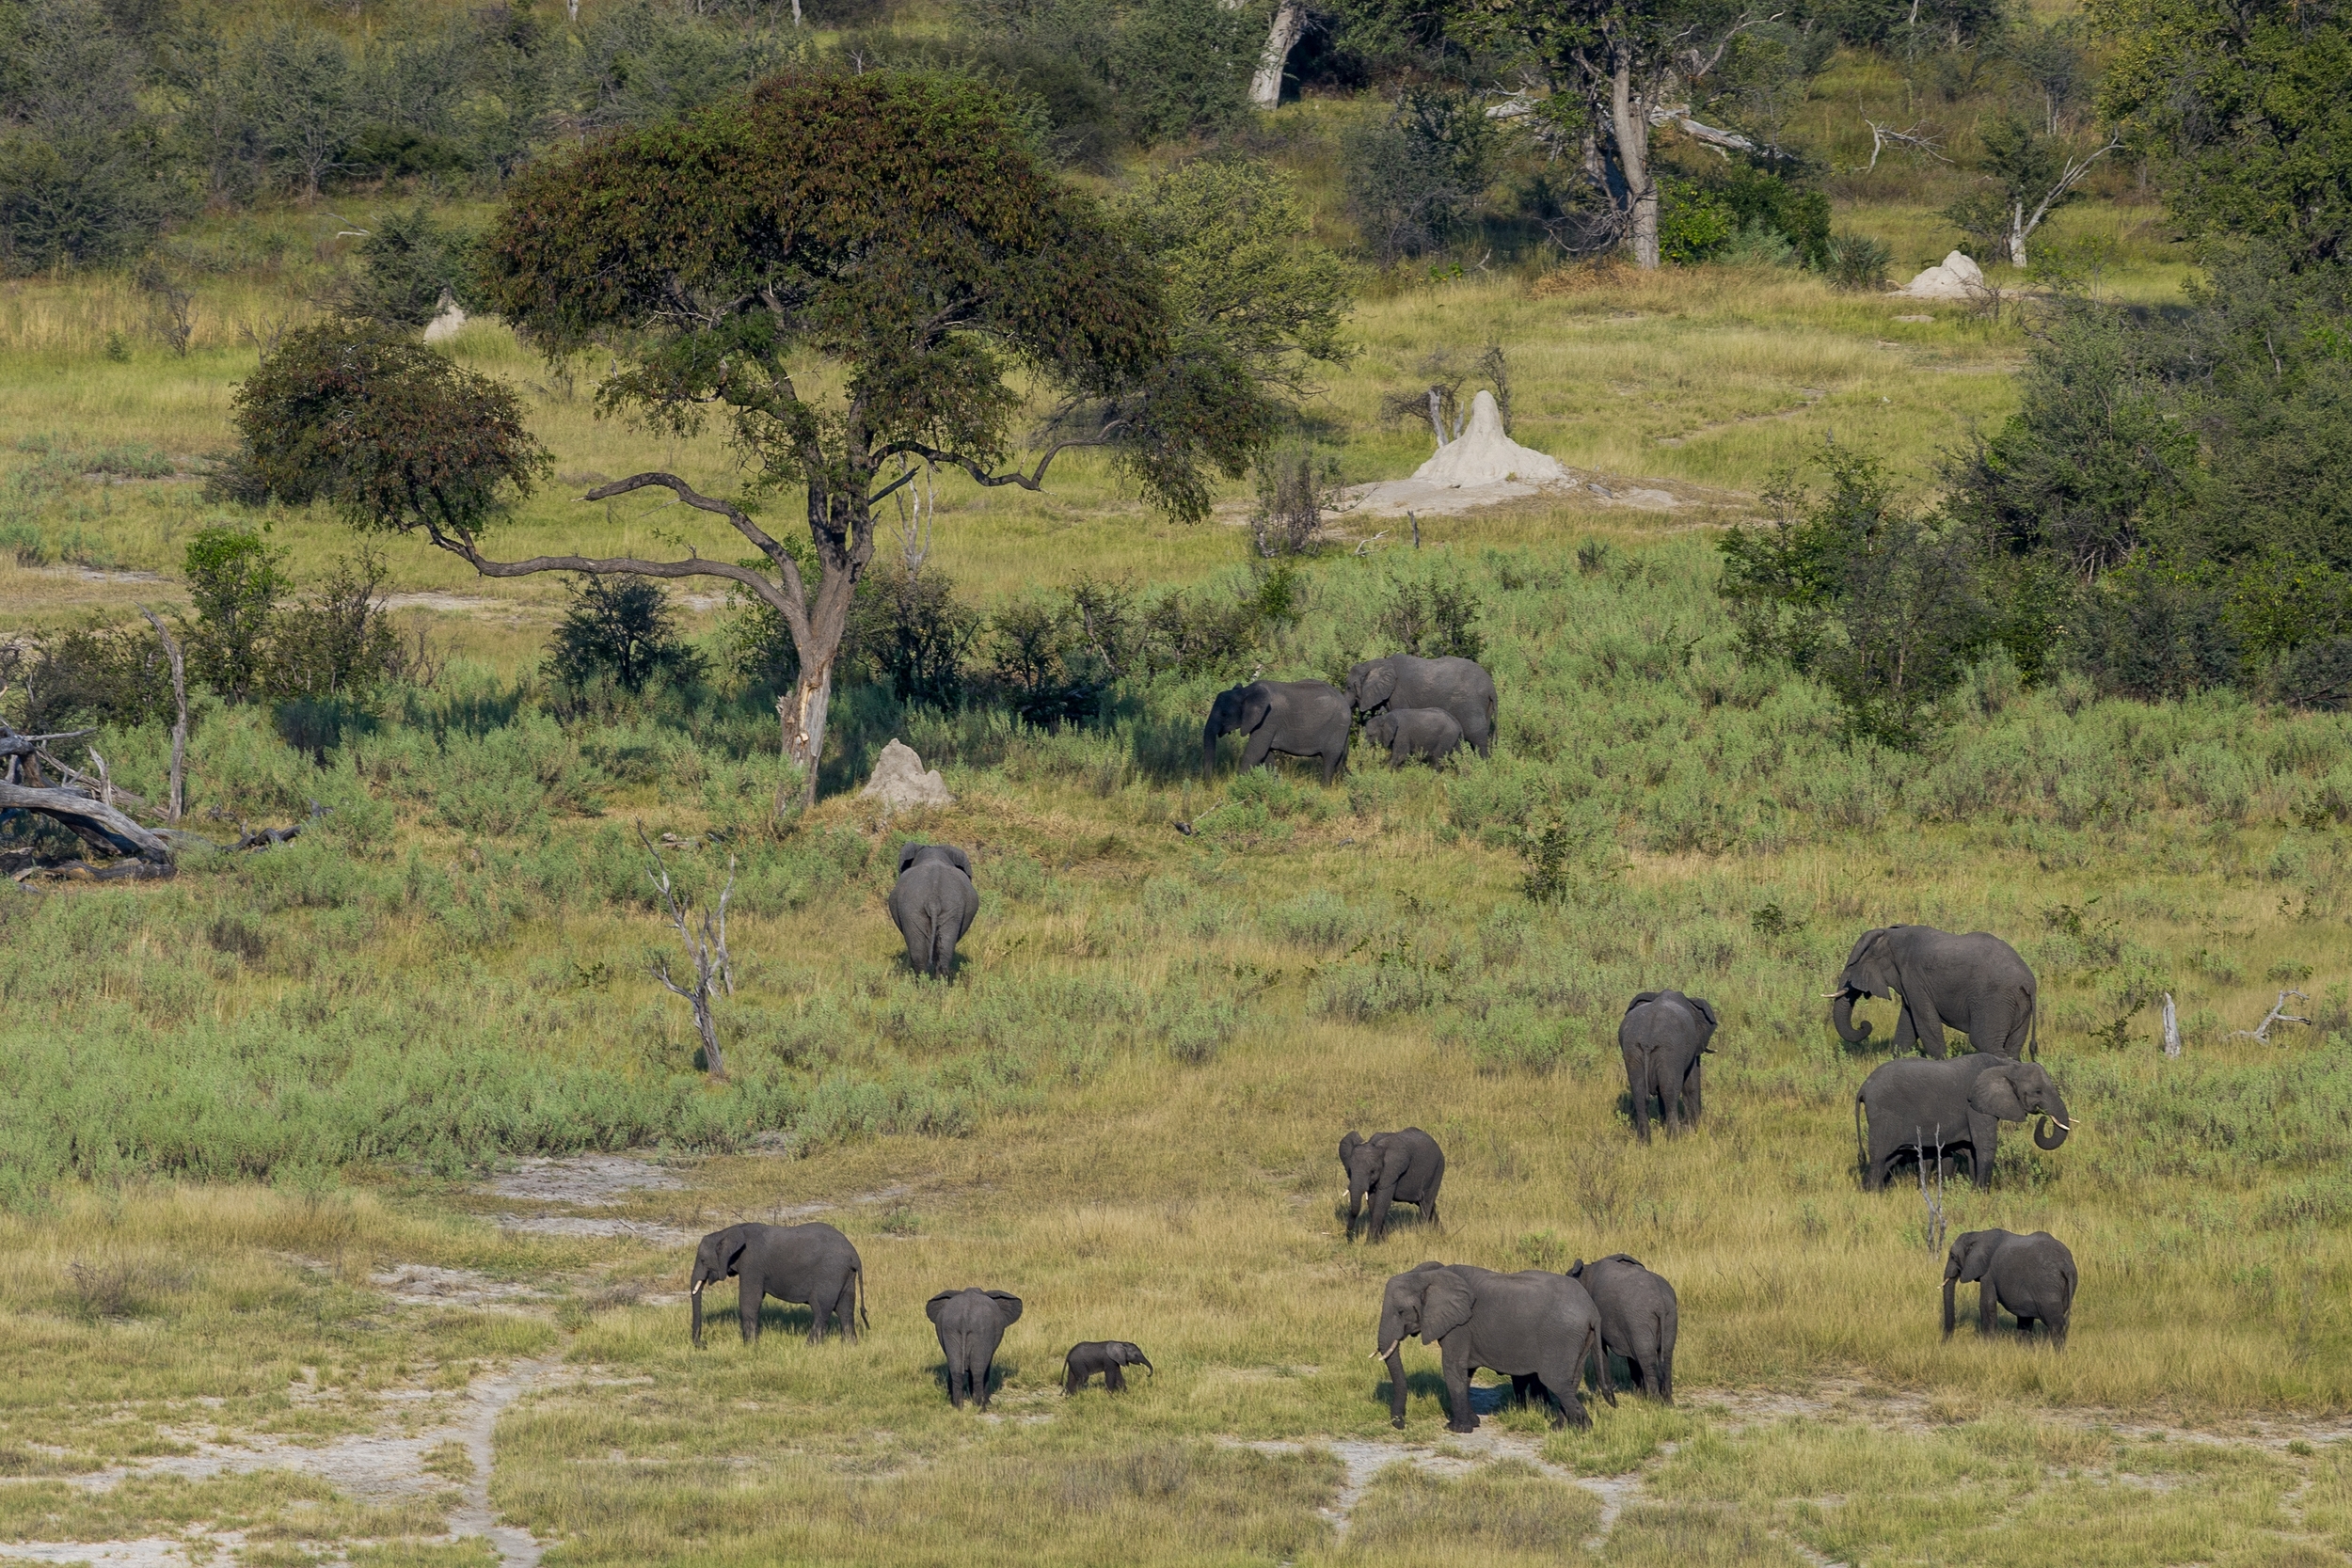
(697, 1294)
(1949, 1280)
(1841, 1015)
(2041, 1130)
(1209, 734)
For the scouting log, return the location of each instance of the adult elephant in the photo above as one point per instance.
(814, 1265)
(1663, 1035)
(1639, 1320)
(934, 904)
(1297, 719)
(971, 1324)
(2032, 1275)
(1459, 686)
(1937, 1109)
(1405, 1167)
(1529, 1324)
(1975, 983)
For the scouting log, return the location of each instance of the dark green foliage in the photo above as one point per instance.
(1858, 262)
(910, 631)
(82, 172)
(1415, 176)
(620, 629)
(94, 675)
(1694, 223)
(1182, 67)
(1704, 217)
(2155, 629)
(336, 645)
(1884, 606)
(1048, 674)
(407, 264)
(392, 433)
(234, 582)
(1433, 616)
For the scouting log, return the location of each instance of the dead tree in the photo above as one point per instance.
(179, 723)
(2278, 1014)
(707, 945)
(1935, 1223)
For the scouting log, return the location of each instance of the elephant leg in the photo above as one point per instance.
(1260, 748)
(1643, 1076)
(1520, 1383)
(1332, 761)
(754, 1292)
(1985, 1146)
(981, 1380)
(1379, 1214)
(1560, 1375)
(1988, 1305)
(1459, 1416)
(1429, 1199)
(1929, 1026)
(1114, 1380)
(1690, 1085)
(1661, 1377)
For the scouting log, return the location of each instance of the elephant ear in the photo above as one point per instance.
(1706, 1011)
(933, 1308)
(960, 861)
(733, 1242)
(1256, 703)
(1646, 996)
(1971, 1256)
(1349, 1145)
(1393, 1159)
(906, 856)
(1576, 1271)
(1445, 1304)
(1377, 687)
(1008, 1305)
(1994, 1096)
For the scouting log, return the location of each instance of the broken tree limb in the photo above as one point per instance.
(180, 698)
(2278, 1014)
(94, 821)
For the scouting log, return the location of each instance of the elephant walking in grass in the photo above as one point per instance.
(1415, 732)
(1295, 719)
(1459, 686)
(1532, 1324)
(2031, 1275)
(1663, 1035)
(971, 1324)
(1106, 1356)
(1935, 1108)
(1975, 983)
(813, 1264)
(934, 904)
(1391, 1167)
(1639, 1320)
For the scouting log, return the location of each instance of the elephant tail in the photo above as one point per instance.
(943, 947)
(1861, 1151)
(858, 1273)
(1593, 1357)
(2033, 1028)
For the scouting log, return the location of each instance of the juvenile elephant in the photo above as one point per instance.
(1975, 983)
(971, 1324)
(1298, 719)
(1391, 1167)
(1639, 1320)
(813, 1265)
(1934, 1109)
(1104, 1357)
(1415, 732)
(934, 904)
(1459, 686)
(1662, 1034)
(1531, 1324)
(2031, 1275)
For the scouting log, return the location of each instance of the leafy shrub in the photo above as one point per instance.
(1857, 262)
(1694, 223)
(407, 263)
(1412, 179)
(1318, 919)
(1433, 616)
(1297, 484)
(909, 628)
(620, 629)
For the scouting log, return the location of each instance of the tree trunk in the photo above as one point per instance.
(180, 724)
(803, 717)
(1630, 122)
(1266, 87)
(94, 821)
(2017, 235)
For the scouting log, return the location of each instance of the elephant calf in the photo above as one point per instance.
(1639, 1320)
(1415, 732)
(934, 904)
(1663, 1035)
(2031, 1275)
(814, 1265)
(1391, 1167)
(971, 1324)
(1104, 1357)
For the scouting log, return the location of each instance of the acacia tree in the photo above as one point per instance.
(846, 270)
(1616, 68)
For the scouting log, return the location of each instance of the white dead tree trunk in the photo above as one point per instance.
(2022, 224)
(707, 945)
(1290, 20)
(179, 724)
(2171, 1028)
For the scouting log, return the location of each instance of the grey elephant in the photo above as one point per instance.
(1937, 1109)
(1415, 732)
(1663, 1035)
(1106, 1356)
(1405, 1166)
(1297, 719)
(1459, 686)
(1639, 1319)
(813, 1265)
(2031, 1275)
(1534, 1325)
(1975, 983)
(971, 1324)
(934, 904)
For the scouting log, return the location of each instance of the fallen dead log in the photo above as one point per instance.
(93, 821)
(249, 838)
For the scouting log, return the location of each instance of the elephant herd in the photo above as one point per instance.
(1415, 708)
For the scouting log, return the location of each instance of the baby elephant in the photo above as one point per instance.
(2031, 1275)
(1106, 1356)
(1415, 732)
(934, 904)
(971, 1323)
(1391, 1167)
(1639, 1320)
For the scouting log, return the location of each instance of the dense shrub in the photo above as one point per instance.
(620, 629)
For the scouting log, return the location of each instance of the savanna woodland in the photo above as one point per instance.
(483, 487)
